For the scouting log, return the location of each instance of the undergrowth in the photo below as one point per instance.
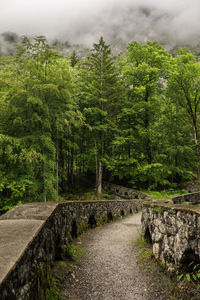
(177, 287)
(87, 195)
(163, 195)
(75, 253)
(189, 278)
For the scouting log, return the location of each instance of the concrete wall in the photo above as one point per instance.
(174, 232)
(37, 233)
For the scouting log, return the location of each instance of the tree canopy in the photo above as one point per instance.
(131, 119)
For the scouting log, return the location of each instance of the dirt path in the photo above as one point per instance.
(109, 270)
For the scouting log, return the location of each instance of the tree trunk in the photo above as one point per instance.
(96, 163)
(99, 177)
(68, 167)
(72, 167)
(45, 194)
(57, 169)
(197, 150)
(146, 124)
(147, 142)
(62, 163)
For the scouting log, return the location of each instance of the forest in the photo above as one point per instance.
(131, 119)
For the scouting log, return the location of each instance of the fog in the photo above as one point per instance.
(84, 21)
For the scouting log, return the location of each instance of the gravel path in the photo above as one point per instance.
(109, 270)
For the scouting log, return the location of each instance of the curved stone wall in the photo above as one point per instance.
(33, 234)
(124, 192)
(193, 198)
(174, 232)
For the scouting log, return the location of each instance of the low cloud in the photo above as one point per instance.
(84, 21)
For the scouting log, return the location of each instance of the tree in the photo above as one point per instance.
(73, 59)
(100, 93)
(144, 70)
(39, 112)
(184, 89)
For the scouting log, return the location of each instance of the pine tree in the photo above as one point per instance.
(100, 93)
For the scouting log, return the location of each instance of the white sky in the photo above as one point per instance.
(85, 20)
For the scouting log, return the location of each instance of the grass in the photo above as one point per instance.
(165, 194)
(87, 196)
(145, 251)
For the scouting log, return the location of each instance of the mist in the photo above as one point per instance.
(84, 21)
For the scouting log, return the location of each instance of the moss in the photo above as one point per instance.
(185, 203)
(145, 253)
(75, 252)
(62, 263)
(48, 286)
(157, 210)
(173, 211)
(61, 269)
(68, 237)
(82, 227)
(100, 221)
(114, 217)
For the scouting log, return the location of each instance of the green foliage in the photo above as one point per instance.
(157, 210)
(82, 195)
(37, 117)
(75, 252)
(184, 89)
(139, 155)
(145, 253)
(100, 92)
(173, 211)
(71, 250)
(62, 264)
(49, 286)
(165, 194)
(133, 118)
(191, 273)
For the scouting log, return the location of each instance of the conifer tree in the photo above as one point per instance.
(100, 94)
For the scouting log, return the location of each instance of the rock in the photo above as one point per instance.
(174, 234)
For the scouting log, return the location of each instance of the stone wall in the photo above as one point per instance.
(34, 234)
(124, 192)
(174, 232)
(193, 198)
(191, 186)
